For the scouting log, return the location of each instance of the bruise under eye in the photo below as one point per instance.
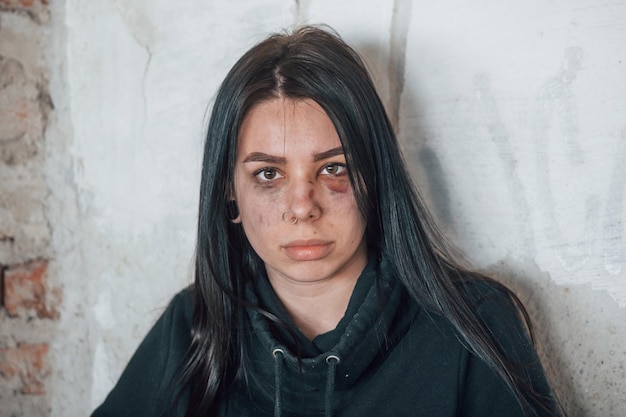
(339, 184)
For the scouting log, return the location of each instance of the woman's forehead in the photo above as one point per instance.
(283, 126)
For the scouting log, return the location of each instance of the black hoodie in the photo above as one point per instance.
(386, 357)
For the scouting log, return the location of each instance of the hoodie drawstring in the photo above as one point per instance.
(331, 360)
(278, 381)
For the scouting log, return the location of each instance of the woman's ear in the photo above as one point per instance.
(232, 211)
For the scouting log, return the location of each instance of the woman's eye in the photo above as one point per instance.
(267, 174)
(334, 169)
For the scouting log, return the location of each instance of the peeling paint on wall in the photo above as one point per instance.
(614, 223)
(556, 125)
(400, 24)
(489, 116)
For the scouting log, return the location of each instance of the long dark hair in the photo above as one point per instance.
(315, 63)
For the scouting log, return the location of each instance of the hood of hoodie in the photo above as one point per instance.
(284, 367)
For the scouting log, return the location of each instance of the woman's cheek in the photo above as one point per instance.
(263, 206)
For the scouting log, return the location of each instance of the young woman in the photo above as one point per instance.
(322, 286)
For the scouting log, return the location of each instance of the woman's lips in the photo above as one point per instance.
(307, 250)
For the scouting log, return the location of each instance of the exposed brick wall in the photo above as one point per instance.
(29, 300)
(27, 362)
(24, 108)
(21, 4)
(36, 10)
(26, 293)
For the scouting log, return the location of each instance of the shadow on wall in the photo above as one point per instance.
(542, 298)
(556, 319)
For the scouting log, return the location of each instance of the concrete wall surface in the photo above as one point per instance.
(511, 115)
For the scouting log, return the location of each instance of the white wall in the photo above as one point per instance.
(511, 114)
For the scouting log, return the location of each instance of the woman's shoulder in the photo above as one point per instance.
(180, 309)
(183, 298)
(484, 293)
(501, 311)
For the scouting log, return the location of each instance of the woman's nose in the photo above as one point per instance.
(302, 200)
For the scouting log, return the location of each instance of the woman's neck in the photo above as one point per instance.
(315, 307)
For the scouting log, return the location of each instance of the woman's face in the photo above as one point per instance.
(289, 157)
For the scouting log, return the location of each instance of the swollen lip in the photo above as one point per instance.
(307, 251)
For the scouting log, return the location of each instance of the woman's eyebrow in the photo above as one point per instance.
(273, 159)
(264, 157)
(328, 154)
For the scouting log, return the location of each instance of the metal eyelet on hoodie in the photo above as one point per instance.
(332, 361)
(278, 354)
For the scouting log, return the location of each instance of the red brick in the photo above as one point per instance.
(37, 10)
(21, 4)
(28, 362)
(25, 290)
(1, 286)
